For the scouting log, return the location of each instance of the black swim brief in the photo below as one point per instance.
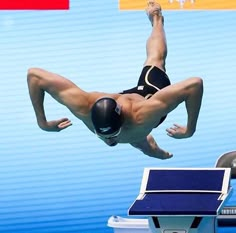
(151, 80)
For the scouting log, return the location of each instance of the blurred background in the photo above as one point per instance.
(71, 181)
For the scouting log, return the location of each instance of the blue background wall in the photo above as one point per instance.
(70, 181)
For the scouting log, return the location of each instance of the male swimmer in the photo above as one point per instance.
(129, 116)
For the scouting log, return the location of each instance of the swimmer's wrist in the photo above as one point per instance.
(189, 132)
(42, 124)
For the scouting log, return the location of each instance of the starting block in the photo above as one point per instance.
(182, 200)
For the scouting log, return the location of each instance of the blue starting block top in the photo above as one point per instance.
(195, 192)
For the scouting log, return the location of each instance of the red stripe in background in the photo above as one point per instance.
(34, 4)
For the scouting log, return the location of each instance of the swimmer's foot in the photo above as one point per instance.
(153, 11)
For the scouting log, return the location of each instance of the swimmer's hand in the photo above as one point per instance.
(178, 132)
(56, 125)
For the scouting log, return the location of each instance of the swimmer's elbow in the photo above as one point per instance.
(31, 72)
(31, 75)
(190, 133)
(195, 84)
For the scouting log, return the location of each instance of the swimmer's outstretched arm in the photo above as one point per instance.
(149, 147)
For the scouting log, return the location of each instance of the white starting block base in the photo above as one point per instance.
(128, 225)
(180, 224)
(168, 225)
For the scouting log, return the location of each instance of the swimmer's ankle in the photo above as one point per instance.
(157, 20)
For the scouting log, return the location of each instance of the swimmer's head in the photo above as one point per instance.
(106, 118)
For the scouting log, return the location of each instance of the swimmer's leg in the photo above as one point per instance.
(156, 46)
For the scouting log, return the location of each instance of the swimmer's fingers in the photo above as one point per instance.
(177, 131)
(64, 123)
(171, 131)
(57, 125)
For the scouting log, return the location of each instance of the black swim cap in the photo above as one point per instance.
(106, 116)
